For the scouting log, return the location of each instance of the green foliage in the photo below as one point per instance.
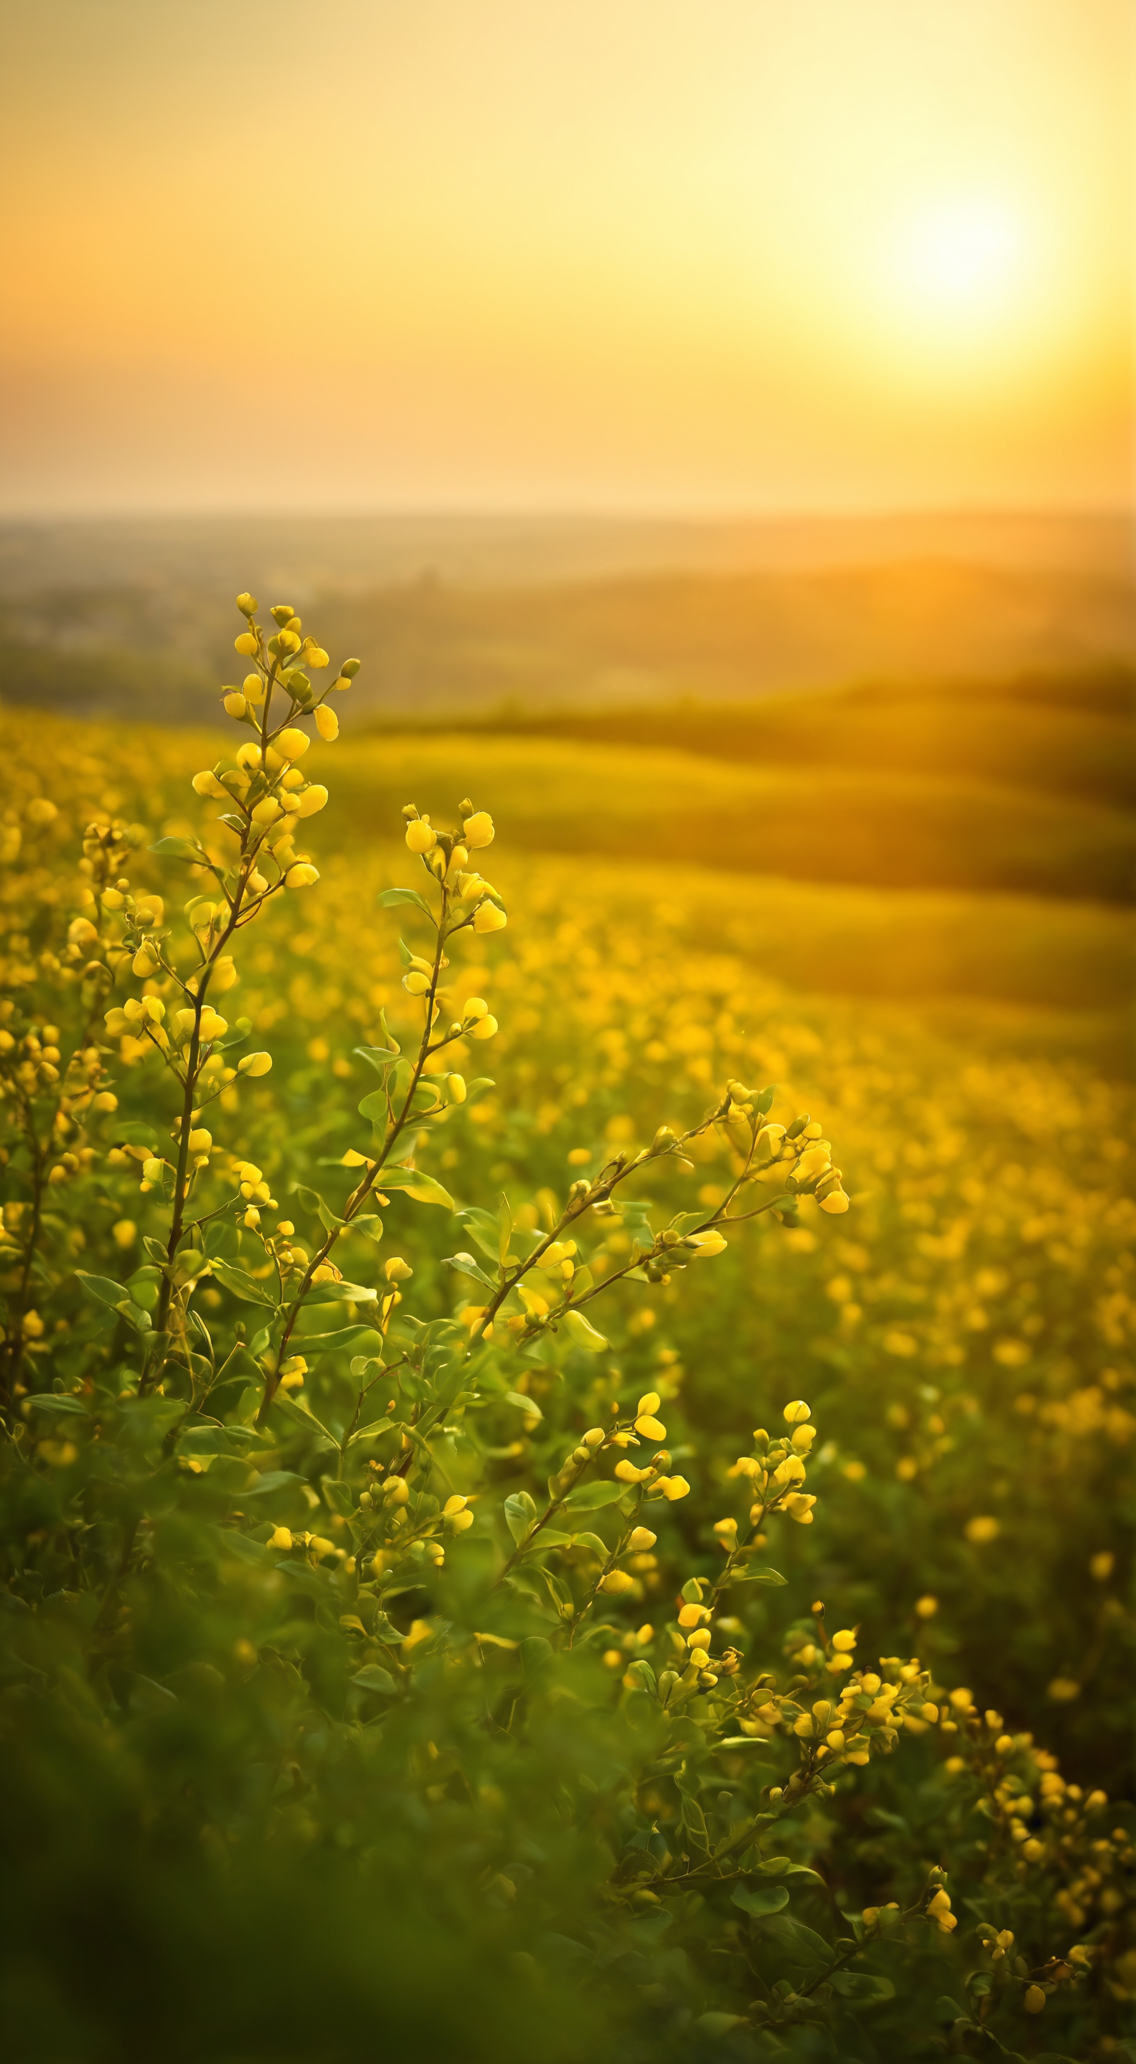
(406, 1632)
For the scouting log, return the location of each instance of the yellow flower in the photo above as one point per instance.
(705, 1245)
(982, 1529)
(478, 830)
(312, 799)
(672, 1487)
(327, 723)
(255, 1064)
(489, 917)
(291, 743)
(421, 836)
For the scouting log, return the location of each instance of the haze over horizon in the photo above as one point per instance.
(642, 259)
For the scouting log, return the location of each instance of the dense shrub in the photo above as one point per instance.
(399, 1648)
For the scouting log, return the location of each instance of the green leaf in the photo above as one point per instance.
(757, 1573)
(378, 1057)
(588, 1497)
(418, 1185)
(303, 1414)
(240, 1283)
(375, 1678)
(465, 1265)
(371, 1432)
(331, 1292)
(759, 1901)
(694, 1821)
(388, 898)
(272, 1480)
(583, 1333)
(134, 1133)
(483, 1225)
(592, 1541)
(346, 1337)
(374, 1106)
(717, 2024)
(101, 1287)
(177, 849)
(798, 1944)
(54, 1402)
(783, 1867)
(524, 1404)
(864, 1986)
(520, 1512)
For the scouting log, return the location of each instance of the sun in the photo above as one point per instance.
(960, 261)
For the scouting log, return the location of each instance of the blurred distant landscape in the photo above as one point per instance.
(933, 702)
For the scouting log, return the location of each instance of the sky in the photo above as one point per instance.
(697, 255)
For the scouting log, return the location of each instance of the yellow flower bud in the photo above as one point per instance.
(327, 723)
(301, 876)
(1033, 1999)
(396, 1270)
(699, 1638)
(845, 1641)
(483, 1028)
(145, 961)
(640, 1539)
(212, 1025)
(489, 917)
(455, 1088)
(207, 784)
(200, 1140)
(311, 800)
(799, 1506)
(705, 1245)
(796, 1413)
(235, 704)
(266, 811)
(616, 1582)
(421, 836)
(651, 1429)
(834, 1203)
(627, 1472)
(291, 743)
(255, 1064)
(673, 1487)
(280, 1538)
(245, 645)
(692, 1615)
(478, 830)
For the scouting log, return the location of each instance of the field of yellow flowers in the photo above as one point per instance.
(963, 1334)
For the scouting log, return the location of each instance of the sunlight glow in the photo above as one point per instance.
(962, 258)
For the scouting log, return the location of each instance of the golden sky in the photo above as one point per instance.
(721, 254)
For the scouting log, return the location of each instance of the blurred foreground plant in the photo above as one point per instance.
(279, 1588)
